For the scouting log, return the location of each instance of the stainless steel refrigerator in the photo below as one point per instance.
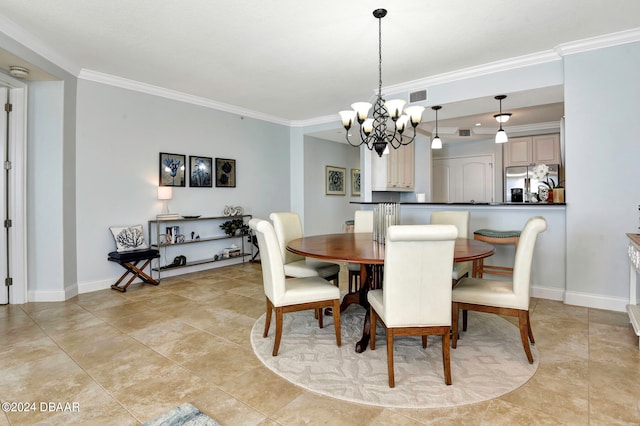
(519, 182)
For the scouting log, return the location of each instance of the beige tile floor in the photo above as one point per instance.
(126, 358)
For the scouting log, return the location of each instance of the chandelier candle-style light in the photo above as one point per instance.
(373, 131)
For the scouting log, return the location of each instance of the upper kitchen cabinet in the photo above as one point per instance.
(529, 150)
(394, 171)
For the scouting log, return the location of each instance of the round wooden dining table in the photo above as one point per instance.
(359, 247)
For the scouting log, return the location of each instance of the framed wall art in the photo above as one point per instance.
(200, 170)
(172, 169)
(335, 180)
(355, 182)
(225, 173)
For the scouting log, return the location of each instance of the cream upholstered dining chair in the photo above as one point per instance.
(415, 299)
(362, 222)
(294, 294)
(288, 227)
(503, 297)
(461, 221)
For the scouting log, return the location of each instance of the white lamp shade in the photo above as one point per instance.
(401, 123)
(415, 113)
(348, 118)
(361, 109)
(501, 136)
(436, 143)
(367, 126)
(394, 107)
(165, 193)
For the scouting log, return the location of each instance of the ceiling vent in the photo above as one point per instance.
(418, 96)
(464, 132)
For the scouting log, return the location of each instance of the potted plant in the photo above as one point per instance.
(555, 190)
(235, 227)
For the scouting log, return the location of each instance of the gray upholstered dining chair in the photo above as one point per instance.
(294, 294)
(461, 221)
(503, 297)
(415, 299)
(288, 226)
(362, 222)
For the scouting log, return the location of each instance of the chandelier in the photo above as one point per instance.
(373, 131)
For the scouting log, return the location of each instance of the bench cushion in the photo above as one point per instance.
(133, 255)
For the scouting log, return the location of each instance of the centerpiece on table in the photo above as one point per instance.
(549, 190)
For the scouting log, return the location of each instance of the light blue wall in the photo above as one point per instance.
(45, 169)
(327, 213)
(120, 134)
(602, 108)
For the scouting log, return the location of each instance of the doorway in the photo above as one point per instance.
(13, 267)
(463, 179)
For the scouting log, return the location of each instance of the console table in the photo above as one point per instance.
(634, 267)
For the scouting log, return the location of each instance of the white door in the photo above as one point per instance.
(13, 285)
(463, 179)
(4, 295)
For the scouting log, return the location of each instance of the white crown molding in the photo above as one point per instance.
(17, 33)
(555, 54)
(137, 86)
(490, 68)
(609, 40)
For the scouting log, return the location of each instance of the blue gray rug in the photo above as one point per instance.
(186, 414)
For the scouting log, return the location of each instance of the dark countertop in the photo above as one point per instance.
(410, 203)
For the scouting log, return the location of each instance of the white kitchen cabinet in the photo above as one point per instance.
(394, 171)
(528, 150)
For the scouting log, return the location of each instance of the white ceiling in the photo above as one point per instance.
(300, 60)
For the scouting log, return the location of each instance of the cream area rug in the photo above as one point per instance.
(488, 362)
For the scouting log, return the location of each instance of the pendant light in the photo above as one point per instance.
(501, 135)
(436, 143)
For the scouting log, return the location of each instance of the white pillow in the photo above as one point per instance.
(128, 238)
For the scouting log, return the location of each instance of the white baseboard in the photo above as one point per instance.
(89, 287)
(596, 301)
(548, 293)
(46, 296)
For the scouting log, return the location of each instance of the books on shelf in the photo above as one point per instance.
(168, 216)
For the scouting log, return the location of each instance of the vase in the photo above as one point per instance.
(558, 195)
(543, 193)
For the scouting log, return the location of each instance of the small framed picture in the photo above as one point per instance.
(355, 182)
(335, 180)
(225, 173)
(200, 172)
(172, 169)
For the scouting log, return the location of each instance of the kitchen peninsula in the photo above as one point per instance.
(549, 262)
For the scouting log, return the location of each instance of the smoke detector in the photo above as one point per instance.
(19, 72)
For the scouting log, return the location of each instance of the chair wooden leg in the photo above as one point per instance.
(392, 380)
(276, 344)
(446, 358)
(455, 312)
(336, 321)
(372, 330)
(320, 316)
(267, 321)
(524, 333)
(465, 314)
(424, 341)
(531, 339)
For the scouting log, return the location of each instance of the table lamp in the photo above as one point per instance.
(165, 193)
